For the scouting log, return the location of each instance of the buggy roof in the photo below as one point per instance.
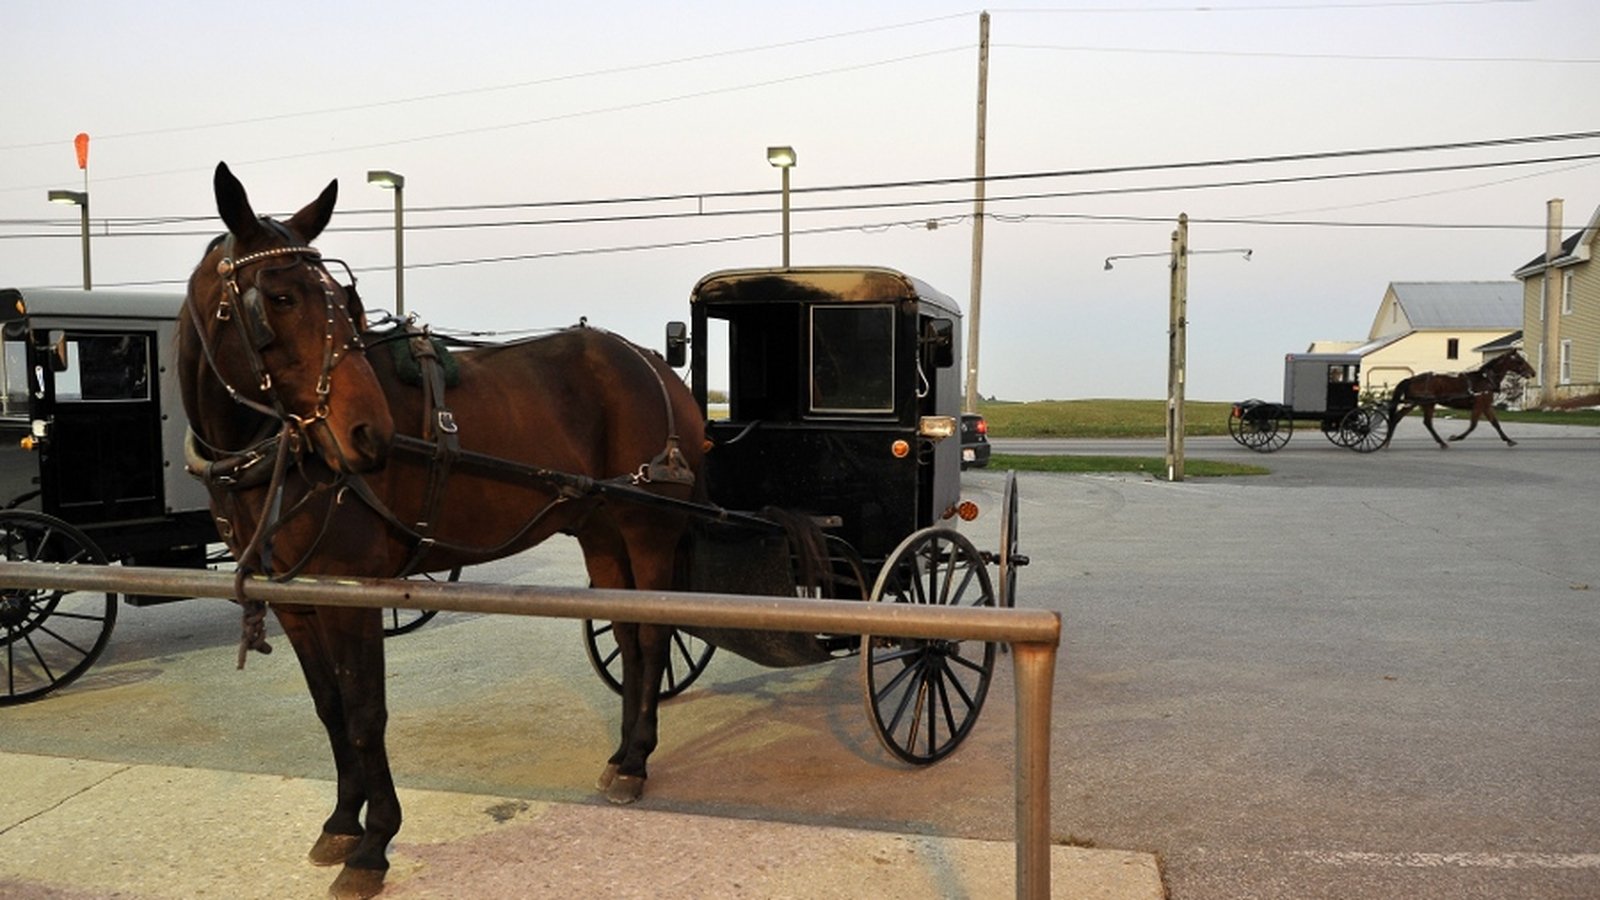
(21, 303)
(824, 284)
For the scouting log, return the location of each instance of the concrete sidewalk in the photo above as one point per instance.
(73, 829)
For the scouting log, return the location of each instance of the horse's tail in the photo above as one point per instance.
(1396, 397)
(808, 547)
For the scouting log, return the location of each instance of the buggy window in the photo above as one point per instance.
(852, 358)
(104, 367)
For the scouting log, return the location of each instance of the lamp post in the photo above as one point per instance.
(79, 199)
(396, 182)
(783, 158)
(1177, 336)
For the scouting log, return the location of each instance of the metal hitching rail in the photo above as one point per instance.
(1033, 635)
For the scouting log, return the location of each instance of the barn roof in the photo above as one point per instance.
(1460, 304)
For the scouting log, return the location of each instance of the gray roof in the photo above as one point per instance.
(1460, 304)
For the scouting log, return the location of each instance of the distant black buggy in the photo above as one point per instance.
(91, 471)
(1324, 388)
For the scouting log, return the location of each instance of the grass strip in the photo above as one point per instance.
(1148, 465)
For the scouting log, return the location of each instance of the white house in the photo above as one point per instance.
(1434, 326)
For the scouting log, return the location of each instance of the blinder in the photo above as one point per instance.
(256, 324)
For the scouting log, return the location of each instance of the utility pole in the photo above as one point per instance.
(1550, 365)
(970, 402)
(1177, 340)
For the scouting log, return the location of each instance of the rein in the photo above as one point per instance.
(227, 472)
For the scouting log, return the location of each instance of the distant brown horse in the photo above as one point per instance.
(319, 459)
(1474, 390)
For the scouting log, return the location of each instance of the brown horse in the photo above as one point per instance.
(321, 460)
(1474, 390)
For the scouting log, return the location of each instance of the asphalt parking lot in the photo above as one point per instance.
(1363, 676)
(1359, 676)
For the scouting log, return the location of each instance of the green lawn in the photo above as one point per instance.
(1147, 418)
(1100, 418)
(1150, 465)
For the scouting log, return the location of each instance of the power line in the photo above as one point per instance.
(1265, 7)
(1342, 57)
(924, 203)
(511, 86)
(1143, 168)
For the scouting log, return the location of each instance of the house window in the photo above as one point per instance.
(1565, 363)
(1543, 283)
(1452, 348)
(1566, 293)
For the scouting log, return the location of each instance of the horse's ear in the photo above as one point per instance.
(314, 216)
(233, 205)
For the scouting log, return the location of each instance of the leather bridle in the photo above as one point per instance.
(246, 308)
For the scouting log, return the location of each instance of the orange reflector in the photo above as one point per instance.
(967, 510)
(900, 449)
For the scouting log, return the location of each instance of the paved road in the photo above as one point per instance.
(1359, 676)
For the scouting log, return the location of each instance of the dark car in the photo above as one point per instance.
(974, 441)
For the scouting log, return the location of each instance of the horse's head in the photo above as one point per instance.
(270, 332)
(1517, 364)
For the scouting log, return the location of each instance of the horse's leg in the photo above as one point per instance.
(1488, 410)
(1477, 410)
(1427, 420)
(355, 637)
(342, 830)
(617, 562)
(1396, 413)
(341, 654)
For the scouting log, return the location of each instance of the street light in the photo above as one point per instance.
(79, 199)
(1177, 335)
(396, 182)
(783, 158)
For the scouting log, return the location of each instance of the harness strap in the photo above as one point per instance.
(439, 424)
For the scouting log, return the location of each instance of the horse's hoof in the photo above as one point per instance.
(607, 775)
(1511, 443)
(625, 789)
(332, 849)
(356, 884)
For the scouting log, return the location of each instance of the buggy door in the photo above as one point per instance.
(100, 460)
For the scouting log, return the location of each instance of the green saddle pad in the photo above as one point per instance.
(409, 369)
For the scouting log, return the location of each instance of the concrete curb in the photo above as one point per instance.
(74, 829)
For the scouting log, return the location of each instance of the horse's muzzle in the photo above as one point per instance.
(367, 448)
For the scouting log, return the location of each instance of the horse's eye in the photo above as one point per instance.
(281, 301)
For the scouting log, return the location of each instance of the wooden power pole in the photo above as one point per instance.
(970, 401)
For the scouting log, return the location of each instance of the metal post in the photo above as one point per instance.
(785, 216)
(1176, 349)
(84, 211)
(1035, 665)
(399, 252)
(970, 398)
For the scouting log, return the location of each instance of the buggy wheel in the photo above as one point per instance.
(687, 657)
(1365, 428)
(1336, 432)
(923, 696)
(397, 621)
(1010, 558)
(49, 637)
(1262, 427)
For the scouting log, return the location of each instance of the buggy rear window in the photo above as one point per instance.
(102, 367)
(852, 358)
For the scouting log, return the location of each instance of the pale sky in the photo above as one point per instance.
(523, 105)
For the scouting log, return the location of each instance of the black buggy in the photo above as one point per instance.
(843, 403)
(91, 471)
(1324, 388)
